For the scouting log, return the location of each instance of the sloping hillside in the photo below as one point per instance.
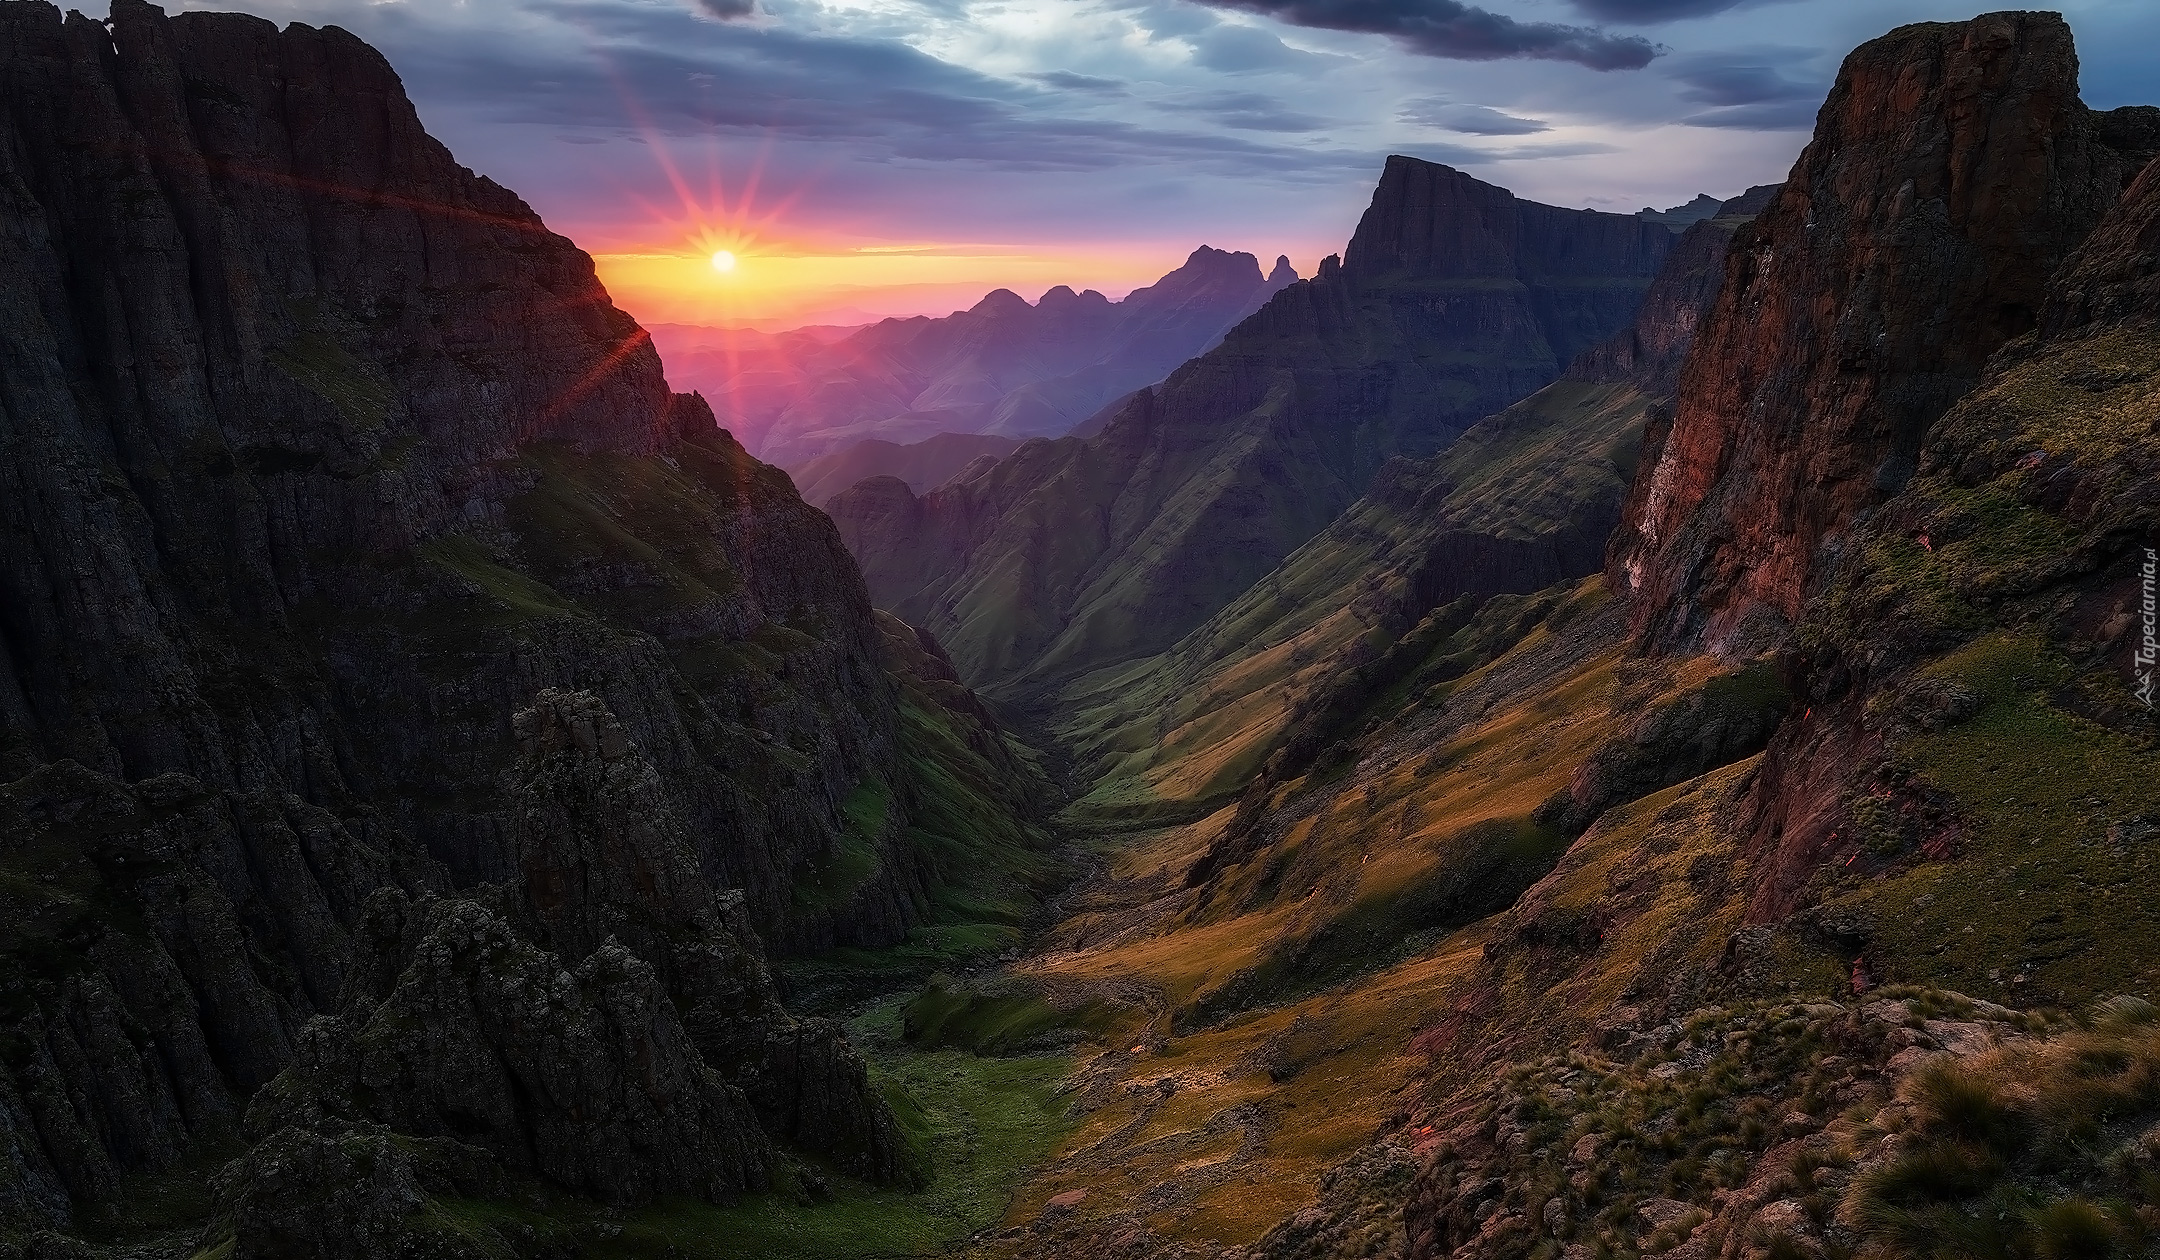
(1453, 300)
(923, 465)
(1523, 500)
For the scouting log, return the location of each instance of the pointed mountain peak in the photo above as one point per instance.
(1284, 273)
(1001, 302)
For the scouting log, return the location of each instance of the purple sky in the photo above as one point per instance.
(1094, 142)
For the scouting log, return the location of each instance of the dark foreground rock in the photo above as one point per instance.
(320, 458)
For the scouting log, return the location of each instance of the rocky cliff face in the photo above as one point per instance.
(609, 1022)
(2003, 584)
(1952, 169)
(1958, 794)
(1456, 299)
(322, 457)
(1523, 501)
(355, 456)
(1004, 366)
(1650, 351)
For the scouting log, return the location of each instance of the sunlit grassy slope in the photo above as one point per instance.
(1264, 1018)
(1963, 795)
(1522, 499)
(1312, 970)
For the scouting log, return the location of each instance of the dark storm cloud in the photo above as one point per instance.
(1470, 120)
(729, 10)
(1460, 32)
(1739, 78)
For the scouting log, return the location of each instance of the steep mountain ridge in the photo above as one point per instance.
(1524, 499)
(1004, 366)
(1959, 795)
(323, 458)
(1456, 298)
(1563, 922)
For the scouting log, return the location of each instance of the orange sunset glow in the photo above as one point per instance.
(733, 278)
(732, 250)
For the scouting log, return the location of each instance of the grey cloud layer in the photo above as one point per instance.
(1645, 12)
(1748, 91)
(1461, 32)
(1472, 120)
(679, 74)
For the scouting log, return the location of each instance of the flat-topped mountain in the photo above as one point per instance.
(1453, 299)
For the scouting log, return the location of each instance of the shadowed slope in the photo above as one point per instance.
(1455, 299)
(1523, 500)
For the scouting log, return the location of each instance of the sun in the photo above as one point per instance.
(724, 260)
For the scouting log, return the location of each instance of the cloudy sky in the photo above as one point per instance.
(898, 155)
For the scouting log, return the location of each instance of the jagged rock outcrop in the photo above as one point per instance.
(355, 1192)
(166, 944)
(1004, 366)
(1453, 299)
(608, 1023)
(1953, 167)
(604, 858)
(580, 1071)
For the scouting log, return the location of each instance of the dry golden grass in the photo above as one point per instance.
(1218, 1131)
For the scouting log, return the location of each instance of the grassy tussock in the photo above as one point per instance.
(2037, 1149)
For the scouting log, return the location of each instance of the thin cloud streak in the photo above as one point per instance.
(1456, 31)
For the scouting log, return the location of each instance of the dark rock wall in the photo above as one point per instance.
(326, 455)
(1650, 351)
(1953, 167)
(320, 456)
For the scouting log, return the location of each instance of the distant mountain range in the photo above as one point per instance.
(1454, 299)
(1004, 366)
